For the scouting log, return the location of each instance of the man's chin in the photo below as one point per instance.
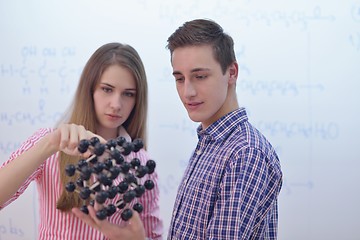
(194, 117)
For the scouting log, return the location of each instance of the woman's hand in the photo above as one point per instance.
(133, 229)
(66, 138)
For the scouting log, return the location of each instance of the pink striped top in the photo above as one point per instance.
(55, 224)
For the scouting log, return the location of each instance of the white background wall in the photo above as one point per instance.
(299, 80)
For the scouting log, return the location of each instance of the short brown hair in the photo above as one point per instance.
(205, 32)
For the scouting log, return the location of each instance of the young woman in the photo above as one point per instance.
(110, 101)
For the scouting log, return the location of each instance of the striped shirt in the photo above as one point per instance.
(230, 187)
(57, 225)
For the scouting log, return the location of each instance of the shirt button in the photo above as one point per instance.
(198, 152)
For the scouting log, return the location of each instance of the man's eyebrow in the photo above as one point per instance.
(200, 69)
(192, 71)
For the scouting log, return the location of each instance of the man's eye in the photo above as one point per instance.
(200, 76)
(179, 78)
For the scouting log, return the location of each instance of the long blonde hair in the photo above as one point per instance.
(82, 110)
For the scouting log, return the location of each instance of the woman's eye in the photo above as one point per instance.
(129, 94)
(106, 89)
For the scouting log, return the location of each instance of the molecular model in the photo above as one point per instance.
(96, 175)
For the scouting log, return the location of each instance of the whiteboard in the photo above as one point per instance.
(299, 81)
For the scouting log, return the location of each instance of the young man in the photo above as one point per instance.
(231, 185)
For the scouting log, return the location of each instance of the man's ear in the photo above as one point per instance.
(233, 73)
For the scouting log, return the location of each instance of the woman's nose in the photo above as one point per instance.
(115, 102)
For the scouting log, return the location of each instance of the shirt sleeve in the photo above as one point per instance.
(29, 143)
(247, 193)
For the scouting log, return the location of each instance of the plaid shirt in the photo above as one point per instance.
(230, 187)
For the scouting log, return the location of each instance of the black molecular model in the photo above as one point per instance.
(106, 164)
